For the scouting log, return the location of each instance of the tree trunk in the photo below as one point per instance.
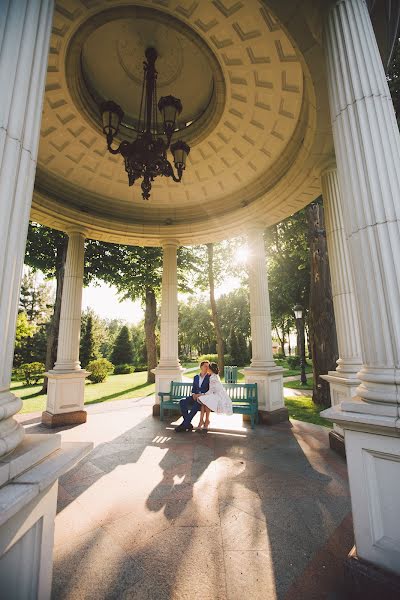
(52, 335)
(288, 339)
(150, 322)
(283, 340)
(322, 329)
(218, 332)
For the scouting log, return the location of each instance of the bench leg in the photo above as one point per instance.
(252, 420)
(161, 412)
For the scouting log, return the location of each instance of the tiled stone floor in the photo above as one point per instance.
(232, 514)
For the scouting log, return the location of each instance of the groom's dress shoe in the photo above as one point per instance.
(181, 428)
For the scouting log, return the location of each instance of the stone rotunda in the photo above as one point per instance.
(282, 101)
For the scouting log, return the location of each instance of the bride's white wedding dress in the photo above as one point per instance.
(216, 398)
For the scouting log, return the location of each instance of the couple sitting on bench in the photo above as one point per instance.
(208, 395)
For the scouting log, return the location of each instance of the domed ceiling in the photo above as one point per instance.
(249, 115)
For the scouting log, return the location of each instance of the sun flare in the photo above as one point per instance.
(242, 254)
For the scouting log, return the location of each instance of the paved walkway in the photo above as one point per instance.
(232, 514)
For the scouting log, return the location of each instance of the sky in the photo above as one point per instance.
(103, 299)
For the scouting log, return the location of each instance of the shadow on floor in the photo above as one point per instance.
(155, 514)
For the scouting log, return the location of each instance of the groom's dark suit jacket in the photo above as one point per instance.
(203, 388)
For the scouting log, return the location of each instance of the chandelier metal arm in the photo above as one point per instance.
(174, 177)
(146, 156)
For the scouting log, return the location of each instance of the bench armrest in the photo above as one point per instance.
(162, 394)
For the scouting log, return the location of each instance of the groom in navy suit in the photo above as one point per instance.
(190, 406)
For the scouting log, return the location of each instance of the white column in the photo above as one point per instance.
(263, 369)
(367, 146)
(24, 40)
(66, 385)
(169, 368)
(344, 381)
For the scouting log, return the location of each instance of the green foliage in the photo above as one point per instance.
(36, 300)
(88, 351)
(122, 351)
(214, 358)
(31, 372)
(393, 78)
(293, 362)
(24, 329)
(288, 253)
(99, 369)
(123, 369)
(43, 247)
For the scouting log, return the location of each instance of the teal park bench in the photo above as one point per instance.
(230, 374)
(243, 396)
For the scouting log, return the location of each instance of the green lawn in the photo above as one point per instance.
(303, 409)
(190, 365)
(282, 362)
(116, 387)
(297, 385)
(122, 387)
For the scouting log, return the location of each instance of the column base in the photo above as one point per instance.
(76, 417)
(274, 416)
(373, 463)
(65, 398)
(11, 432)
(28, 501)
(269, 382)
(365, 581)
(164, 376)
(336, 443)
(342, 389)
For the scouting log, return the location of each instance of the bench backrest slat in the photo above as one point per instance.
(238, 392)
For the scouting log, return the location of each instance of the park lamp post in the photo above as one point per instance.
(298, 313)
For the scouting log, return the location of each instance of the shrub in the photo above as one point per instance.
(31, 372)
(99, 369)
(140, 368)
(293, 362)
(123, 369)
(279, 355)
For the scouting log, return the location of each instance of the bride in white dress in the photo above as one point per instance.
(216, 399)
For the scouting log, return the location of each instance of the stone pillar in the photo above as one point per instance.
(367, 147)
(169, 368)
(263, 369)
(344, 381)
(66, 385)
(24, 40)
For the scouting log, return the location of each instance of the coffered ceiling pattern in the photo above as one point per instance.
(262, 123)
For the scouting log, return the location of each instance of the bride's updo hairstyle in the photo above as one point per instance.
(214, 368)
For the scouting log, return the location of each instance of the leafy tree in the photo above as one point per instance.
(35, 303)
(136, 273)
(46, 251)
(35, 299)
(234, 349)
(322, 319)
(24, 329)
(393, 77)
(214, 311)
(122, 352)
(288, 266)
(88, 344)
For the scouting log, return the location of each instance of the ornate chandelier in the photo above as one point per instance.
(146, 156)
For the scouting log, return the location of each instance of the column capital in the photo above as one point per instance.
(255, 228)
(169, 242)
(76, 229)
(328, 167)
